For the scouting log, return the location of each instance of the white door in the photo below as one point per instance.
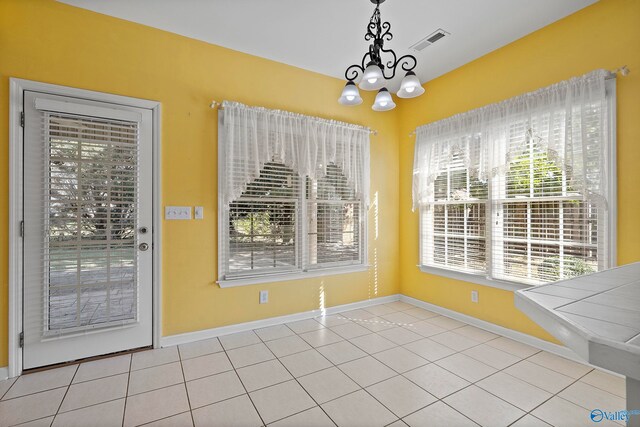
(87, 228)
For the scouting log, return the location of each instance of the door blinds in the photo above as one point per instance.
(90, 193)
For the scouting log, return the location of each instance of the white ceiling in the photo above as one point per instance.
(326, 36)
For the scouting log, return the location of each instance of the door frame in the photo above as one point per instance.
(17, 87)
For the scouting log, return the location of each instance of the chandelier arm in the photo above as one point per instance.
(366, 62)
(386, 33)
(353, 72)
(370, 35)
(406, 62)
(390, 64)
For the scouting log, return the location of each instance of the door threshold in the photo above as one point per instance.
(86, 359)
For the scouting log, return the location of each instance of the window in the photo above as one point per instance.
(263, 224)
(334, 218)
(293, 193)
(516, 195)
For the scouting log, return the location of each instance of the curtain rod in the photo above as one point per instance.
(215, 104)
(622, 71)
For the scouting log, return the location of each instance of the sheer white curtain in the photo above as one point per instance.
(255, 136)
(567, 119)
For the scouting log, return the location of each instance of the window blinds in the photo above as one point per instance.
(89, 248)
(293, 192)
(335, 218)
(518, 190)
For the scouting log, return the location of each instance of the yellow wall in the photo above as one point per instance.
(47, 41)
(604, 35)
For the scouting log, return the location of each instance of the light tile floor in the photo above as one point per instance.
(386, 365)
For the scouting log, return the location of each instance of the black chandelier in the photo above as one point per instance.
(378, 65)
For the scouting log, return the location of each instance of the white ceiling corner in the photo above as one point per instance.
(327, 36)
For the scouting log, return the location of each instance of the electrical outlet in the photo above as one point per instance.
(199, 212)
(177, 212)
(264, 297)
(474, 296)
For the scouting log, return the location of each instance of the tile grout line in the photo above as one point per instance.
(186, 389)
(240, 379)
(600, 388)
(10, 387)
(367, 354)
(34, 393)
(126, 394)
(556, 394)
(298, 382)
(91, 405)
(483, 378)
(501, 370)
(161, 419)
(463, 388)
(311, 347)
(471, 383)
(83, 382)
(65, 394)
(338, 367)
(88, 381)
(575, 380)
(37, 419)
(454, 409)
(297, 334)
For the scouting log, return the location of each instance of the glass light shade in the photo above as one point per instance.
(372, 78)
(350, 94)
(384, 101)
(410, 86)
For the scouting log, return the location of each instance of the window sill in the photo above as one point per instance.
(473, 278)
(285, 277)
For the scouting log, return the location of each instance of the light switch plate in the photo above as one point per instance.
(264, 297)
(474, 296)
(177, 212)
(199, 212)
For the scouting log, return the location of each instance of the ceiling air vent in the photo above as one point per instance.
(429, 40)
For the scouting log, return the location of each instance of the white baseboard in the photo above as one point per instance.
(271, 321)
(263, 323)
(496, 329)
(4, 372)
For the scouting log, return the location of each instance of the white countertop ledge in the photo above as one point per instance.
(597, 316)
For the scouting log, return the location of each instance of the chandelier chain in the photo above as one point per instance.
(377, 33)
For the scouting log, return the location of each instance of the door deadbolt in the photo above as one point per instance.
(143, 246)
(143, 230)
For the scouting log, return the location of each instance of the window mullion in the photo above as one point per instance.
(446, 218)
(495, 219)
(465, 218)
(561, 222)
(465, 233)
(303, 252)
(531, 196)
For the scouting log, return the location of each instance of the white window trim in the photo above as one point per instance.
(285, 277)
(612, 215)
(298, 274)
